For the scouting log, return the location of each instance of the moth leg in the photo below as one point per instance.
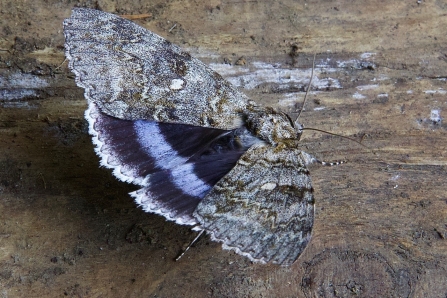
(190, 244)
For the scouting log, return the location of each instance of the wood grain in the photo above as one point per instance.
(68, 228)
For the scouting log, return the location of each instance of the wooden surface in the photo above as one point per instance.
(68, 228)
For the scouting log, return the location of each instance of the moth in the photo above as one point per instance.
(203, 153)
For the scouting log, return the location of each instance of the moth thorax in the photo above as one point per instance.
(272, 126)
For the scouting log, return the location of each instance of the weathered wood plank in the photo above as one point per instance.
(69, 228)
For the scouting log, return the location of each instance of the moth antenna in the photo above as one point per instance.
(330, 164)
(341, 136)
(189, 245)
(308, 88)
(337, 135)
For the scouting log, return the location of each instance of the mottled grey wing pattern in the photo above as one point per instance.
(163, 120)
(131, 73)
(264, 207)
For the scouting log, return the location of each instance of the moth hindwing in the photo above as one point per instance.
(203, 154)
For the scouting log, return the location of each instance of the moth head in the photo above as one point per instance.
(273, 127)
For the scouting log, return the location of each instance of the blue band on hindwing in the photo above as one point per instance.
(176, 164)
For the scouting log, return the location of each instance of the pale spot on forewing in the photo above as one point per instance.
(269, 186)
(176, 84)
